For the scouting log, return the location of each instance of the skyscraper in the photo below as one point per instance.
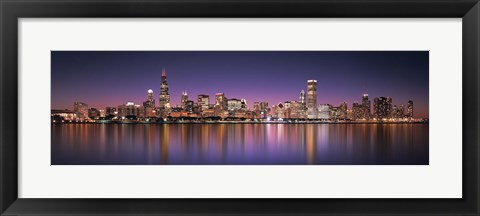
(150, 103)
(382, 107)
(410, 109)
(302, 108)
(203, 101)
(312, 99)
(366, 106)
(221, 101)
(343, 110)
(164, 97)
(184, 99)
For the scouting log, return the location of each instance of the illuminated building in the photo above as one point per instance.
(203, 101)
(189, 106)
(150, 101)
(382, 107)
(335, 113)
(81, 110)
(256, 110)
(401, 111)
(184, 99)
(93, 113)
(221, 101)
(234, 104)
(358, 111)
(164, 97)
(343, 110)
(394, 112)
(410, 109)
(102, 113)
(128, 110)
(110, 112)
(288, 109)
(302, 106)
(63, 115)
(324, 111)
(312, 99)
(366, 106)
(280, 111)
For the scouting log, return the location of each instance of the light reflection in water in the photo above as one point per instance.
(232, 144)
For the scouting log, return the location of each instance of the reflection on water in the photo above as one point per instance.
(217, 144)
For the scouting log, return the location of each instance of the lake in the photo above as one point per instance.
(240, 144)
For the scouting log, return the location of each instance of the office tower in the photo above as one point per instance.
(324, 111)
(203, 101)
(184, 99)
(410, 109)
(358, 111)
(301, 109)
(312, 99)
(343, 110)
(221, 101)
(81, 110)
(244, 104)
(164, 97)
(366, 106)
(401, 111)
(234, 104)
(150, 102)
(189, 106)
(382, 107)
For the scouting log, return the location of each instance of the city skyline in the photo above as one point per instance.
(275, 90)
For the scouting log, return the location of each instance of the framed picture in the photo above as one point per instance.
(248, 108)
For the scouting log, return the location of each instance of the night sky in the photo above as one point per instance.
(111, 78)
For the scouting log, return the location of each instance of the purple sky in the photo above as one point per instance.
(111, 78)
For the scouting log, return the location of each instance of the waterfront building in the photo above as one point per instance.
(150, 112)
(401, 111)
(63, 115)
(256, 109)
(234, 104)
(280, 111)
(343, 110)
(244, 104)
(287, 109)
(203, 101)
(382, 107)
(102, 113)
(81, 110)
(324, 111)
(302, 106)
(189, 106)
(150, 102)
(358, 111)
(164, 97)
(221, 100)
(335, 113)
(410, 109)
(184, 99)
(366, 106)
(93, 113)
(312, 99)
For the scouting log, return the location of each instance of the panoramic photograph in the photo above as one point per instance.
(239, 108)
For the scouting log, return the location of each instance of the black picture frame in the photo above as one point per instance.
(12, 10)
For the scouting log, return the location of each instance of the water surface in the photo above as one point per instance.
(239, 144)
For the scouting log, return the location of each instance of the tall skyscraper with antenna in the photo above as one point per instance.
(184, 99)
(164, 97)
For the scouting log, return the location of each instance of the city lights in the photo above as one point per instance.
(224, 109)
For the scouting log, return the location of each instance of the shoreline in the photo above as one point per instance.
(226, 122)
